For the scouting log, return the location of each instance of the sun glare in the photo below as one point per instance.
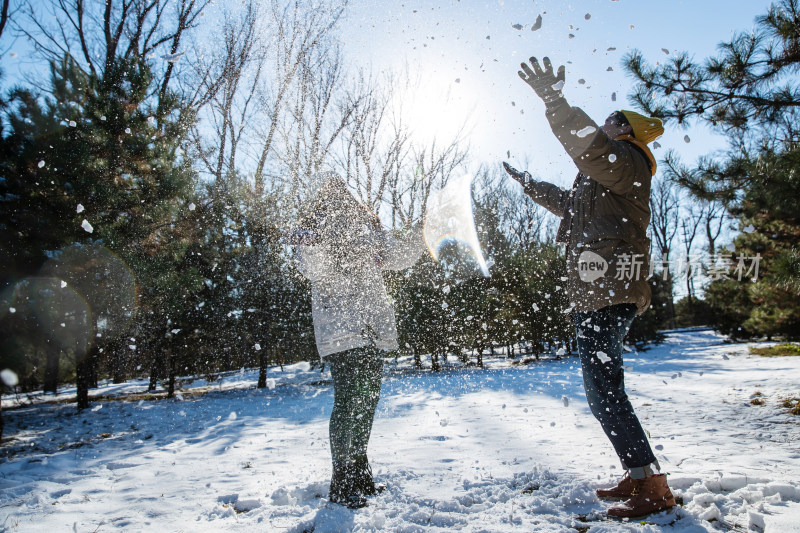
(437, 107)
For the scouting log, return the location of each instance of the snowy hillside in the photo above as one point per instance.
(507, 448)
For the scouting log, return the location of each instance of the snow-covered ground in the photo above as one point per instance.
(506, 448)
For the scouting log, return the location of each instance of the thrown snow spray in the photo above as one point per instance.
(449, 219)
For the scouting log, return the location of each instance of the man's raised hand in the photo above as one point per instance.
(542, 80)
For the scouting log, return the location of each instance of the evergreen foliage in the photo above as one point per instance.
(751, 93)
(92, 166)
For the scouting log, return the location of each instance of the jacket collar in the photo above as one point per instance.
(643, 147)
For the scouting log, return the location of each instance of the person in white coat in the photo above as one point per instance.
(342, 250)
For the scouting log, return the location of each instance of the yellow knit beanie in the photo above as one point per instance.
(645, 129)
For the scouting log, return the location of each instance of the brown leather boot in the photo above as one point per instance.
(650, 495)
(623, 490)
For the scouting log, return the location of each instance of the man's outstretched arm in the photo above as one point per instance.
(549, 196)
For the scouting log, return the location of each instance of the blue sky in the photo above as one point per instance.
(467, 52)
(465, 55)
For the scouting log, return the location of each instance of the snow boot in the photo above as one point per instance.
(650, 495)
(622, 492)
(343, 490)
(363, 478)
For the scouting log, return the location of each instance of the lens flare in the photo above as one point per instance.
(449, 218)
(62, 315)
(46, 313)
(103, 279)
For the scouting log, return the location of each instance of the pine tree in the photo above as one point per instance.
(93, 178)
(751, 93)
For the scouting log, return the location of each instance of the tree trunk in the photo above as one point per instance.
(83, 379)
(94, 360)
(480, 356)
(153, 376)
(417, 359)
(120, 364)
(156, 372)
(435, 366)
(51, 368)
(171, 385)
(262, 370)
(670, 305)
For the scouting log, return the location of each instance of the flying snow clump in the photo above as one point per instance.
(9, 377)
(41, 163)
(585, 132)
(173, 57)
(86, 226)
(603, 356)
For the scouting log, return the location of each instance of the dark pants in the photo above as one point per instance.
(356, 390)
(600, 335)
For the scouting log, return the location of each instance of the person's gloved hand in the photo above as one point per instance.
(524, 178)
(547, 85)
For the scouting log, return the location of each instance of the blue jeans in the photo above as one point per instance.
(600, 334)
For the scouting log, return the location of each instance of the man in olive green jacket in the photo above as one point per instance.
(604, 219)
